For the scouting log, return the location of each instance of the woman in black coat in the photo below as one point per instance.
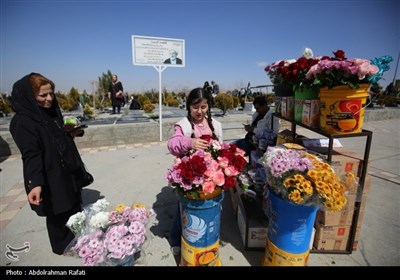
(53, 169)
(115, 93)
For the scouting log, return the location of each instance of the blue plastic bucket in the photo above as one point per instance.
(290, 226)
(200, 231)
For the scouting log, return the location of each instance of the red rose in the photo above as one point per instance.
(239, 163)
(198, 165)
(228, 154)
(186, 171)
(229, 183)
(208, 138)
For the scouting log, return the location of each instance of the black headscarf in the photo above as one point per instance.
(24, 103)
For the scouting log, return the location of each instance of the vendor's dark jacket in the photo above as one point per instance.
(50, 157)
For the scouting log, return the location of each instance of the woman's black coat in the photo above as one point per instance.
(50, 157)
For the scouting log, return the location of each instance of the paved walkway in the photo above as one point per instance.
(135, 174)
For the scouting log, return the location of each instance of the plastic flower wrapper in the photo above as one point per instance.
(81, 221)
(77, 223)
(110, 238)
(303, 178)
(73, 125)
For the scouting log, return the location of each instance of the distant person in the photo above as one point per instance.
(261, 121)
(134, 104)
(115, 93)
(215, 88)
(52, 166)
(174, 59)
(188, 136)
(208, 88)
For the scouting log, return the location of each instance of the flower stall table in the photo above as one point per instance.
(362, 174)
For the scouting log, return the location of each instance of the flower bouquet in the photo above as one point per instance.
(304, 179)
(201, 173)
(292, 73)
(340, 70)
(108, 238)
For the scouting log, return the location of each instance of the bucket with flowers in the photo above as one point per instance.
(299, 183)
(112, 238)
(344, 88)
(200, 179)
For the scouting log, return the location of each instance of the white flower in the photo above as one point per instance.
(100, 220)
(308, 53)
(100, 205)
(77, 222)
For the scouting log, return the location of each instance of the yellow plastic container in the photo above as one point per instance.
(278, 257)
(343, 109)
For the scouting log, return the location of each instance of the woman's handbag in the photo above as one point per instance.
(119, 96)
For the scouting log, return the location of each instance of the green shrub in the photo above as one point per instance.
(142, 100)
(148, 107)
(88, 111)
(236, 101)
(224, 102)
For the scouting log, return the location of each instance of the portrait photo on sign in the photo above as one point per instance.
(173, 58)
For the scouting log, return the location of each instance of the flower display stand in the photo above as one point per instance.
(200, 230)
(289, 232)
(361, 171)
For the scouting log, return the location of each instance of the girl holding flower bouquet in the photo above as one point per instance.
(193, 132)
(189, 130)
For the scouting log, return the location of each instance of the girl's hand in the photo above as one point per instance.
(34, 195)
(199, 144)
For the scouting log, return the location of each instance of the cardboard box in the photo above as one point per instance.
(253, 225)
(330, 244)
(331, 232)
(287, 107)
(286, 136)
(310, 114)
(340, 218)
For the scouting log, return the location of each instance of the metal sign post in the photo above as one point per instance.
(159, 69)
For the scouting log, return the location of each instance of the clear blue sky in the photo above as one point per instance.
(74, 42)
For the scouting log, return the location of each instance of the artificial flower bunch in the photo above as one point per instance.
(292, 73)
(340, 70)
(304, 179)
(204, 172)
(108, 238)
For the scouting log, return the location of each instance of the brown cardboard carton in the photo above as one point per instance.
(310, 114)
(331, 232)
(339, 218)
(330, 244)
(287, 107)
(253, 225)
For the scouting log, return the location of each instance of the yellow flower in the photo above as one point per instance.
(295, 196)
(138, 205)
(120, 208)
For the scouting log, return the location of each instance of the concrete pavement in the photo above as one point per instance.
(135, 174)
